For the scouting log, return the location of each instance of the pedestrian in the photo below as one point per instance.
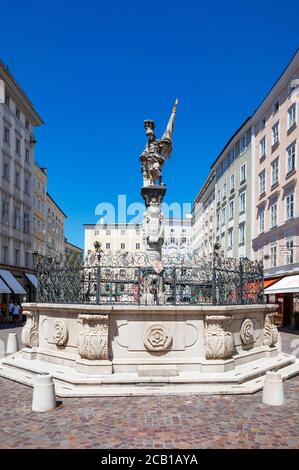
(10, 308)
(16, 313)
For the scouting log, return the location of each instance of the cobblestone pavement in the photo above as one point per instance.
(151, 422)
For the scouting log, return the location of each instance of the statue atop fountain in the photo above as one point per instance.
(153, 190)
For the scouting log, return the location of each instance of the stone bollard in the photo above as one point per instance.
(12, 343)
(44, 398)
(279, 343)
(273, 389)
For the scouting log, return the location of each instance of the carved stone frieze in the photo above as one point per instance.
(157, 338)
(29, 333)
(93, 338)
(219, 341)
(270, 331)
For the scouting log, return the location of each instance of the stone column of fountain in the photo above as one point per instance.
(153, 191)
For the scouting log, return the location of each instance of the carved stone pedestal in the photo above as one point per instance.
(93, 345)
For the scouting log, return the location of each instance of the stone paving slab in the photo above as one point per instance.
(151, 422)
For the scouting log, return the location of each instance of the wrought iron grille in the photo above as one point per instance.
(142, 280)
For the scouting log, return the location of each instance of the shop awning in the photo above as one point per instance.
(269, 282)
(11, 281)
(286, 285)
(4, 289)
(33, 279)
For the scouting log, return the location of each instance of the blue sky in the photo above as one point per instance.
(96, 69)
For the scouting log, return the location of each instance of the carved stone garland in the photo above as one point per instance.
(270, 331)
(59, 332)
(157, 338)
(93, 339)
(29, 333)
(219, 341)
(246, 331)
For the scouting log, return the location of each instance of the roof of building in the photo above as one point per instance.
(66, 242)
(230, 140)
(17, 89)
(52, 200)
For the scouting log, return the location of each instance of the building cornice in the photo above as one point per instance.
(15, 90)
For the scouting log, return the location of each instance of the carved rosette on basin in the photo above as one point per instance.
(270, 331)
(59, 332)
(93, 339)
(29, 334)
(246, 332)
(219, 341)
(157, 338)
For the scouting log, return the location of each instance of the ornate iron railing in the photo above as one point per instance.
(141, 280)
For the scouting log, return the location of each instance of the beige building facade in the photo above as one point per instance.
(40, 210)
(55, 229)
(18, 119)
(203, 219)
(233, 186)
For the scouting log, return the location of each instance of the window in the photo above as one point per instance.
(18, 146)
(5, 212)
(17, 218)
(6, 136)
(262, 182)
(18, 114)
(290, 247)
(5, 254)
(7, 100)
(231, 209)
(26, 187)
(184, 240)
(172, 240)
(275, 134)
(276, 107)
(263, 147)
(273, 256)
(27, 125)
(223, 215)
(292, 116)
(26, 227)
(137, 232)
(224, 191)
(241, 234)
(218, 195)
(108, 232)
(27, 259)
(274, 215)
(263, 123)
(290, 206)
(261, 218)
(122, 246)
(27, 158)
(137, 246)
(274, 171)
(17, 178)
(16, 257)
(107, 246)
(232, 182)
(122, 232)
(291, 157)
(243, 143)
(242, 202)
(243, 173)
(230, 239)
(233, 154)
(218, 219)
(6, 170)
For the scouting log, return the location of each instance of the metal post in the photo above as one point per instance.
(214, 297)
(241, 282)
(139, 285)
(98, 275)
(174, 286)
